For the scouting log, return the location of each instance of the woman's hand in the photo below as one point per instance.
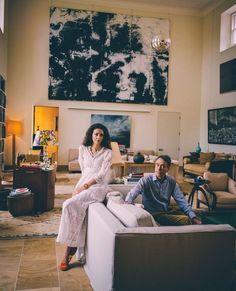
(80, 189)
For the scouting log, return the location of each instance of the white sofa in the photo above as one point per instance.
(120, 258)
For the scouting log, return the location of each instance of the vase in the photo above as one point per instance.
(138, 158)
(46, 161)
(198, 148)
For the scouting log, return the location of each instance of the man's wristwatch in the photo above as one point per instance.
(86, 186)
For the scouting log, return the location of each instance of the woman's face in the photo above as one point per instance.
(97, 136)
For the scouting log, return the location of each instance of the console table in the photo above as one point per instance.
(40, 181)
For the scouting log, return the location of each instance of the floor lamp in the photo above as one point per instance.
(14, 128)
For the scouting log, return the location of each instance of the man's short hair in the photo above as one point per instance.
(165, 158)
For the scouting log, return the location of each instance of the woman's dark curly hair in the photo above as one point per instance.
(106, 141)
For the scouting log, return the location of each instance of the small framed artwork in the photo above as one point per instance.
(222, 126)
(117, 125)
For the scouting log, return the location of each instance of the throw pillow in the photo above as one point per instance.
(206, 157)
(130, 215)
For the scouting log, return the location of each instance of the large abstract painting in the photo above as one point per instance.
(118, 126)
(106, 57)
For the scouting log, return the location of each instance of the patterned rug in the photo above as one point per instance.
(39, 225)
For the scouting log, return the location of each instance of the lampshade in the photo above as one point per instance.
(116, 157)
(14, 127)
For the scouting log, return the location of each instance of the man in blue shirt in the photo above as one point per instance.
(156, 191)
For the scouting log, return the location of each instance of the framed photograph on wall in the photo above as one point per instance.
(117, 125)
(222, 126)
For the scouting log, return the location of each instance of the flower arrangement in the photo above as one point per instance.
(47, 137)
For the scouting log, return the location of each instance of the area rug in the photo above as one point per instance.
(41, 225)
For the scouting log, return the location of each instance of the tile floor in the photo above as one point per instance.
(32, 264)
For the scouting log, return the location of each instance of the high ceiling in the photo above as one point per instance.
(188, 4)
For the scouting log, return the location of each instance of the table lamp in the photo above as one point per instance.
(14, 128)
(116, 156)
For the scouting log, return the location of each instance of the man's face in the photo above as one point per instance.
(161, 168)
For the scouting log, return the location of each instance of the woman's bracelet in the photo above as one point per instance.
(86, 186)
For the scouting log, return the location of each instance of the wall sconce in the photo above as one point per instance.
(160, 44)
(14, 128)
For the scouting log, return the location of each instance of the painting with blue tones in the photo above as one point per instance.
(118, 126)
(106, 57)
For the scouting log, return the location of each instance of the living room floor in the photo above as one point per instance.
(32, 264)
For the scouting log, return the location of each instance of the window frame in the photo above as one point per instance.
(233, 29)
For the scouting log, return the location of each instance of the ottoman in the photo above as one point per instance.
(20, 204)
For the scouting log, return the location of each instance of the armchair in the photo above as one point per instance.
(197, 164)
(220, 191)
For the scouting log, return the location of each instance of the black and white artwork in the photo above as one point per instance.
(118, 126)
(222, 126)
(106, 57)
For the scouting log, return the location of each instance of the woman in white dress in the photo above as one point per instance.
(95, 156)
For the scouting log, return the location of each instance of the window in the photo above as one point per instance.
(233, 28)
(228, 28)
(2, 15)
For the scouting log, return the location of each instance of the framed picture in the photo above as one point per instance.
(222, 126)
(117, 125)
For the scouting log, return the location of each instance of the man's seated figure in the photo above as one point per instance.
(156, 190)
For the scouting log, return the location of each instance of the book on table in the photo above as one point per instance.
(133, 178)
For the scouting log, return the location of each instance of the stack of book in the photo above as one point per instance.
(133, 178)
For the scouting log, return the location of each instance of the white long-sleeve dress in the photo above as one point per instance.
(73, 225)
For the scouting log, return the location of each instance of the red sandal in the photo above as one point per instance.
(70, 251)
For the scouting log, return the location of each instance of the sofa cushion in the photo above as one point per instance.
(129, 214)
(206, 157)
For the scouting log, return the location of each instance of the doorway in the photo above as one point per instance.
(46, 118)
(168, 134)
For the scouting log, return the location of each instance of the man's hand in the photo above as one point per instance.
(196, 220)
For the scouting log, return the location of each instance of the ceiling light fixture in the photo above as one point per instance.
(160, 44)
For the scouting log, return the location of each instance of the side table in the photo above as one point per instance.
(40, 181)
(20, 204)
(195, 189)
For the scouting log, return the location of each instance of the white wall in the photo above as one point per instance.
(212, 58)
(28, 49)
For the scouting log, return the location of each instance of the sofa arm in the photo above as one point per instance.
(186, 161)
(232, 186)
